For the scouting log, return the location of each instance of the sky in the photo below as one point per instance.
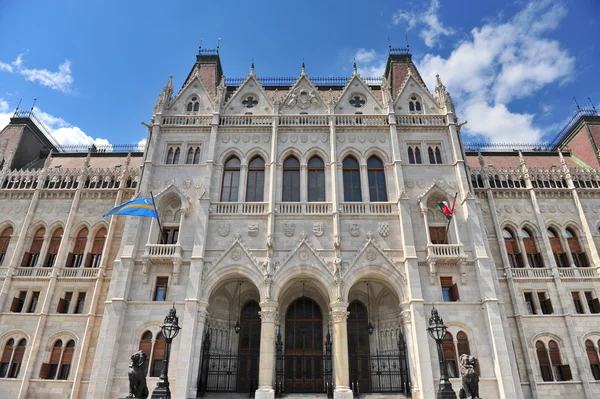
(97, 67)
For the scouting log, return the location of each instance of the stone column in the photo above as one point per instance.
(268, 315)
(339, 315)
(303, 182)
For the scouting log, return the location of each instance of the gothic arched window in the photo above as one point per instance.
(30, 258)
(512, 248)
(4, 241)
(544, 361)
(411, 155)
(579, 256)
(533, 254)
(53, 247)
(176, 156)
(592, 355)
(12, 357)
(75, 258)
(316, 179)
(231, 180)
(351, 172)
(95, 255)
(418, 159)
(450, 355)
(291, 180)
(557, 249)
(190, 156)
(158, 355)
(376, 173)
(255, 187)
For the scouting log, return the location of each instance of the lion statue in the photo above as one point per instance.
(137, 376)
(470, 378)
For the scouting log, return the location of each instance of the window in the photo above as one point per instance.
(18, 302)
(146, 343)
(30, 258)
(12, 357)
(435, 155)
(249, 102)
(414, 105)
(544, 361)
(561, 372)
(35, 296)
(377, 190)
(531, 308)
(231, 180)
(80, 304)
(59, 366)
(592, 301)
(351, 174)
(160, 292)
(414, 154)
(449, 289)
(158, 355)
(357, 101)
(316, 179)
(53, 247)
(170, 235)
(190, 156)
(255, 187)
(450, 355)
(173, 154)
(592, 355)
(4, 241)
(75, 258)
(437, 234)
(64, 304)
(193, 155)
(291, 180)
(193, 104)
(579, 257)
(95, 255)
(512, 248)
(533, 255)
(577, 302)
(545, 303)
(559, 254)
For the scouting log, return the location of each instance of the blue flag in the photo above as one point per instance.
(137, 207)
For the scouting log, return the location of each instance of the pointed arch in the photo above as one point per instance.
(255, 181)
(376, 175)
(231, 179)
(351, 179)
(316, 179)
(291, 180)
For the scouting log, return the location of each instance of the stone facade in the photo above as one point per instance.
(303, 192)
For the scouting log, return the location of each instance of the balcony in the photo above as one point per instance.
(62, 273)
(160, 253)
(239, 208)
(578, 272)
(187, 120)
(78, 272)
(532, 273)
(43, 272)
(445, 253)
(420, 120)
(367, 208)
(304, 208)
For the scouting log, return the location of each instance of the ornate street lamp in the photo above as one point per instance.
(370, 328)
(437, 330)
(170, 329)
(238, 326)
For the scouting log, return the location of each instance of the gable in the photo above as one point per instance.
(304, 255)
(194, 89)
(250, 97)
(303, 97)
(236, 255)
(356, 87)
(412, 89)
(371, 254)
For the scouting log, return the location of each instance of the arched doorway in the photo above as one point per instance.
(304, 368)
(358, 344)
(249, 347)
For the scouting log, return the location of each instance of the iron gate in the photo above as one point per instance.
(306, 373)
(227, 371)
(383, 372)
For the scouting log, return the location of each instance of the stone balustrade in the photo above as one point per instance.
(421, 120)
(446, 253)
(299, 208)
(367, 208)
(162, 252)
(187, 120)
(232, 208)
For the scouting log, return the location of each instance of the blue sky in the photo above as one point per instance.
(96, 68)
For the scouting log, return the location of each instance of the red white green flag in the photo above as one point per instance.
(446, 210)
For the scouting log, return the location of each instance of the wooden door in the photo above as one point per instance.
(249, 348)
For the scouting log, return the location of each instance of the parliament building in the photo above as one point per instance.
(302, 245)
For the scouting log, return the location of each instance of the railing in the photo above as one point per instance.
(317, 81)
(361, 120)
(32, 272)
(162, 250)
(187, 120)
(251, 208)
(578, 272)
(527, 272)
(420, 120)
(245, 120)
(304, 207)
(304, 120)
(446, 252)
(78, 272)
(367, 208)
(490, 147)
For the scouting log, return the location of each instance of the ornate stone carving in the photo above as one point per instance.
(303, 255)
(355, 230)
(253, 229)
(371, 256)
(223, 229)
(470, 378)
(384, 229)
(269, 315)
(339, 315)
(235, 255)
(137, 376)
(289, 229)
(318, 229)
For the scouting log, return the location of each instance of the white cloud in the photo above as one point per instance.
(432, 26)
(60, 80)
(4, 114)
(501, 62)
(369, 63)
(141, 145)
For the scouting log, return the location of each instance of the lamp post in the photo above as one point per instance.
(170, 329)
(437, 330)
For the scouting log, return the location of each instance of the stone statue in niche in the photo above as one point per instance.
(137, 376)
(470, 378)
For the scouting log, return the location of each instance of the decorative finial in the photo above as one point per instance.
(200, 46)
(17, 109)
(303, 66)
(407, 45)
(354, 66)
(576, 103)
(389, 44)
(593, 106)
(218, 45)
(33, 105)
(252, 66)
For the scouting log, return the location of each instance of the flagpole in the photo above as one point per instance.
(449, 220)
(157, 219)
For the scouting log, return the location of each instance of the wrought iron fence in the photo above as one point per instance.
(317, 81)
